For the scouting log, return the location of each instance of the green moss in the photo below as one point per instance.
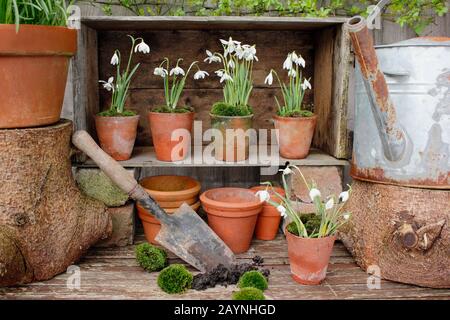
(175, 279)
(114, 113)
(254, 279)
(297, 114)
(311, 222)
(248, 294)
(150, 257)
(223, 109)
(165, 109)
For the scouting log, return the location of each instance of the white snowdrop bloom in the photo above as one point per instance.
(219, 73)
(330, 204)
(292, 73)
(282, 211)
(230, 45)
(142, 47)
(344, 196)
(176, 71)
(200, 75)
(239, 52)
(346, 216)
(211, 57)
(287, 64)
(286, 171)
(263, 195)
(250, 52)
(226, 77)
(298, 60)
(269, 79)
(109, 85)
(160, 72)
(231, 64)
(314, 193)
(115, 59)
(306, 85)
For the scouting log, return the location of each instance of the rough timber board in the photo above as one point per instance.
(112, 273)
(145, 157)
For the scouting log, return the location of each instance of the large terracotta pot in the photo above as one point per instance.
(171, 189)
(295, 135)
(309, 257)
(162, 125)
(269, 218)
(33, 73)
(232, 214)
(231, 148)
(117, 135)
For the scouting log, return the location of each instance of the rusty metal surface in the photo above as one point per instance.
(416, 100)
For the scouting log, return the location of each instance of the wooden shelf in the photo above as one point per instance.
(145, 157)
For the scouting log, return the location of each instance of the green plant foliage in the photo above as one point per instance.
(175, 279)
(416, 14)
(223, 109)
(165, 109)
(150, 257)
(253, 279)
(310, 221)
(248, 294)
(36, 12)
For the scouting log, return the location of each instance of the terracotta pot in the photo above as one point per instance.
(177, 204)
(309, 257)
(232, 214)
(171, 188)
(295, 135)
(117, 135)
(151, 224)
(162, 125)
(269, 218)
(33, 73)
(232, 147)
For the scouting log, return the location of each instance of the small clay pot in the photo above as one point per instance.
(171, 189)
(295, 135)
(231, 148)
(309, 257)
(117, 135)
(33, 72)
(269, 218)
(232, 214)
(162, 125)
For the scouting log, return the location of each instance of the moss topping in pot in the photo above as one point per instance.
(223, 109)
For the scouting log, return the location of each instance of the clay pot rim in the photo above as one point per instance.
(170, 114)
(230, 117)
(172, 195)
(313, 117)
(227, 206)
(333, 237)
(117, 117)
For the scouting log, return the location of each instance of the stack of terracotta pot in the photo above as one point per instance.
(170, 192)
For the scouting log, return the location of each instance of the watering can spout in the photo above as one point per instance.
(392, 135)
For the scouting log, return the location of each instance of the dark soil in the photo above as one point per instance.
(225, 276)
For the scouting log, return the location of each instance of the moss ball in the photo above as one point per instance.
(248, 294)
(175, 279)
(254, 279)
(150, 257)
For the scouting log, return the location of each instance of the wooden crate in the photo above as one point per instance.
(323, 43)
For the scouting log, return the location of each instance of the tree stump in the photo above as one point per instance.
(46, 224)
(404, 231)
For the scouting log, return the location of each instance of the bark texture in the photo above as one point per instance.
(404, 231)
(46, 224)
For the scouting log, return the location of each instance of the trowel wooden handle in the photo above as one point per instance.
(83, 141)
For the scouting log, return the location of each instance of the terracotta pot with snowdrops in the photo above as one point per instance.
(296, 125)
(171, 124)
(117, 126)
(310, 237)
(232, 117)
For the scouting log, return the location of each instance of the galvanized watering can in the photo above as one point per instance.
(402, 117)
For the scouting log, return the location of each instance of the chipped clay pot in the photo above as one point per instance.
(309, 257)
(269, 218)
(295, 135)
(33, 71)
(162, 125)
(117, 135)
(232, 214)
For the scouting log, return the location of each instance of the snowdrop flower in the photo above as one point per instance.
(142, 47)
(160, 72)
(200, 75)
(344, 196)
(263, 195)
(330, 204)
(298, 60)
(211, 57)
(286, 171)
(239, 52)
(230, 45)
(223, 76)
(176, 71)
(287, 64)
(346, 216)
(115, 59)
(306, 85)
(282, 211)
(249, 52)
(313, 193)
(231, 64)
(108, 85)
(269, 79)
(292, 73)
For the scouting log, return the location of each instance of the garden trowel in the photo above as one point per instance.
(183, 232)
